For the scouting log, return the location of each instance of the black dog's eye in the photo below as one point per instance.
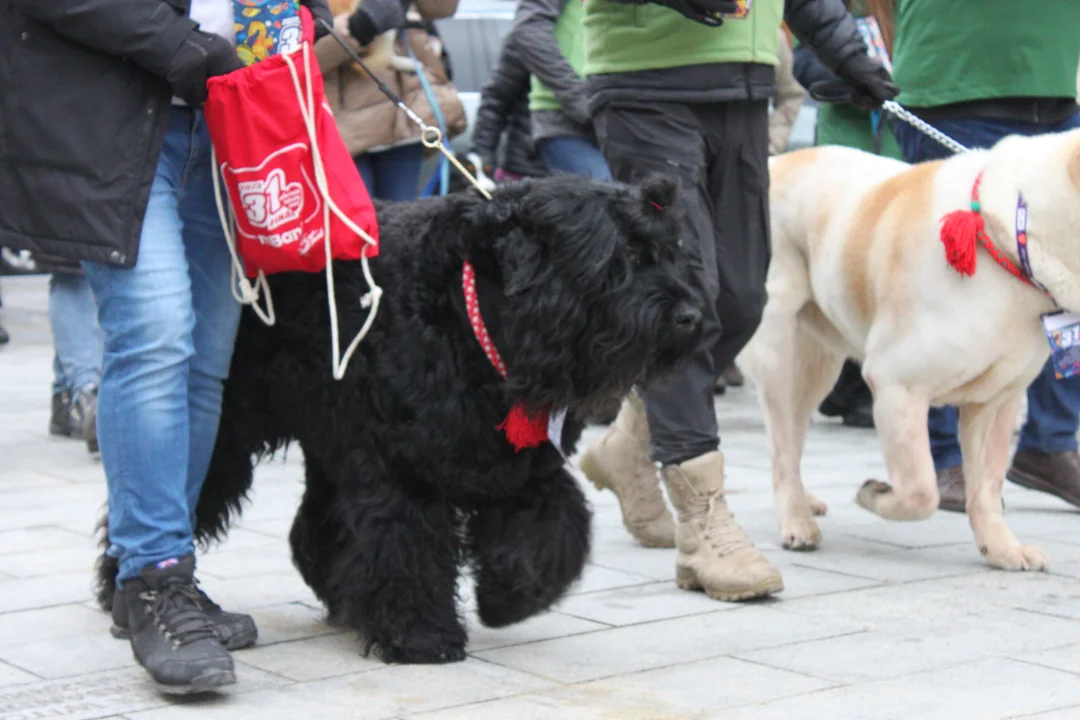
(634, 253)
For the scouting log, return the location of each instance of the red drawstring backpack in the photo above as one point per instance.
(296, 197)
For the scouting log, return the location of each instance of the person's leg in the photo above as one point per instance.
(636, 140)
(620, 460)
(367, 173)
(147, 317)
(4, 337)
(60, 418)
(60, 415)
(397, 172)
(77, 337)
(217, 314)
(574, 155)
(738, 185)
(1053, 409)
(78, 342)
(714, 553)
(850, 398)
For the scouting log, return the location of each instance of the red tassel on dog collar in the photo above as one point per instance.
(521, 430)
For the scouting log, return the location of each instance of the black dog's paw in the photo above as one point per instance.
(499, 609)
(423, 651)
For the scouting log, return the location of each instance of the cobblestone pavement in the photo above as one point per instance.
(884, 621)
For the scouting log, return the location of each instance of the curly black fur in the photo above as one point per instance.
(585, 291)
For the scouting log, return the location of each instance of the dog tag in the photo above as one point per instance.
(556, 420)
(1063, 334)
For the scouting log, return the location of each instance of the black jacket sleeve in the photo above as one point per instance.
(508, 86)
(533, 34)
(827, 27)
(808, 69)
(147, 32)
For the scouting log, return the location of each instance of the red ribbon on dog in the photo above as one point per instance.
(962, 231)
(522, 430)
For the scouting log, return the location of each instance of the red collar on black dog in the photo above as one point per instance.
(521, 429)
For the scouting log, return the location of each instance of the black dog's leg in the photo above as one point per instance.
(394, 578)
(530, 548)
(316, 535)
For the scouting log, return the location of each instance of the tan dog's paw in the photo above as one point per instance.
(817, 505)
(799, 533)
(1018, 557)
(870, 494)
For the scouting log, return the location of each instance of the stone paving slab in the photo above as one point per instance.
(883, 621)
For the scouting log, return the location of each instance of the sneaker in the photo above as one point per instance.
(236, 631)
(83, 416)
(171, 636)
(60, 421)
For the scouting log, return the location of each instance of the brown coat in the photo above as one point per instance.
(367, 120)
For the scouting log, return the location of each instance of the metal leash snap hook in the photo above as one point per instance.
(431, 137)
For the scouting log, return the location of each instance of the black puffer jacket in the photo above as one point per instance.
(84, 107)
(503, 118)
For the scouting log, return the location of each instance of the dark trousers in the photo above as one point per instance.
(1053, 405)
(719, 152)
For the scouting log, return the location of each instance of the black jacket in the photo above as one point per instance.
(824, 25)
(84, 111)
(503, 116)
(533, 37)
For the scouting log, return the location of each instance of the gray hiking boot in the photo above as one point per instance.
(170, 634)
(236, 631)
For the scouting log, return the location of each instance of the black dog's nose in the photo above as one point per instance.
(686, 316)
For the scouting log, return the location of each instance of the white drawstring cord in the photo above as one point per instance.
(242, 289)
(373, 297)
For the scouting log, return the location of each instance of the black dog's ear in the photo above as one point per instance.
(519, 261)
(659, 192)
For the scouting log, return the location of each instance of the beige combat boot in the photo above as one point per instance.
(715, 555)
(620, 462)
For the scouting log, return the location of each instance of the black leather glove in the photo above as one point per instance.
(320, 10)
(374, 17)
(706, 12)
(870, 81)
(201, 56)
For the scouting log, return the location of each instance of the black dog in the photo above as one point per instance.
(585, 292)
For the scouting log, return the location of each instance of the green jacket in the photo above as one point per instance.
(966, 50)
(624, 38)
(570, 34)
(849, 126)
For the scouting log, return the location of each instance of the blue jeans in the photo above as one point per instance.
(77, 338)
(392, 174)
(170, 324)
(1053, 405)
(575, 155)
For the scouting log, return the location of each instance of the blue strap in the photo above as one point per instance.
(444, 167)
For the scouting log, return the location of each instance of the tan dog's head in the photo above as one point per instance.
(1045, 172)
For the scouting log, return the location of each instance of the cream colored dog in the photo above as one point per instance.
(859, 270)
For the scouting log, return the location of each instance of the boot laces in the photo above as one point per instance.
(178, 613)
(721, 531)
